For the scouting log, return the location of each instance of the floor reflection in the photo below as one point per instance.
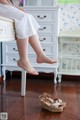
(29, 107)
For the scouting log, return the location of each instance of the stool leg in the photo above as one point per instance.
(55, 75)
(23, 83)
(4, 73)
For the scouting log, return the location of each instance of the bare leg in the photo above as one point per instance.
(24, 63)
(23, 52)
(41, 57)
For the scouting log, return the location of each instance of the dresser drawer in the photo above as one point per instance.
(43, 15)
(11, 58)
(11, 48)
(46, 28)
(46, 48)
(45, 38)
(6, 30)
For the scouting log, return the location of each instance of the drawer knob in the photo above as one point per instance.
(42, 28)
(15, 49)
(41, 17)
(44, 49)
(43, 39)
(14, 59)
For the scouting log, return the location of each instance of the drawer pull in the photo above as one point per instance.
(42, 28)
(41, 17)
(15, 60)
(43, 39)
(44, 49)
(15, 49)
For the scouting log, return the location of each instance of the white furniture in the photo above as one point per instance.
(69, 53)
(7, 33)
(47, 16)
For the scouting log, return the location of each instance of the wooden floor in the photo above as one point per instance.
(29, 108)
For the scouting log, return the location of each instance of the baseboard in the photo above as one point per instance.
(1, 79)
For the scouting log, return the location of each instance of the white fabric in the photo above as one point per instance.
(25, 24)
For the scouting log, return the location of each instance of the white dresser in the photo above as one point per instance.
(47, 16)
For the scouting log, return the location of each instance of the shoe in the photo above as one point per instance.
(52, 105)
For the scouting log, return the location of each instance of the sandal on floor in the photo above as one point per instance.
(51, 106)
(54, 102)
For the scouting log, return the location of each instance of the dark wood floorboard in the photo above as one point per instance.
(29, 108)
(1, 79)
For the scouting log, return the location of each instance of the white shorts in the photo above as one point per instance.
(25, 24)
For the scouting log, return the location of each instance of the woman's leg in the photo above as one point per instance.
(24, 63)
(41, 57)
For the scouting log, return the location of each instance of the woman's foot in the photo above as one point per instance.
(27, 67)
(45, 59)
